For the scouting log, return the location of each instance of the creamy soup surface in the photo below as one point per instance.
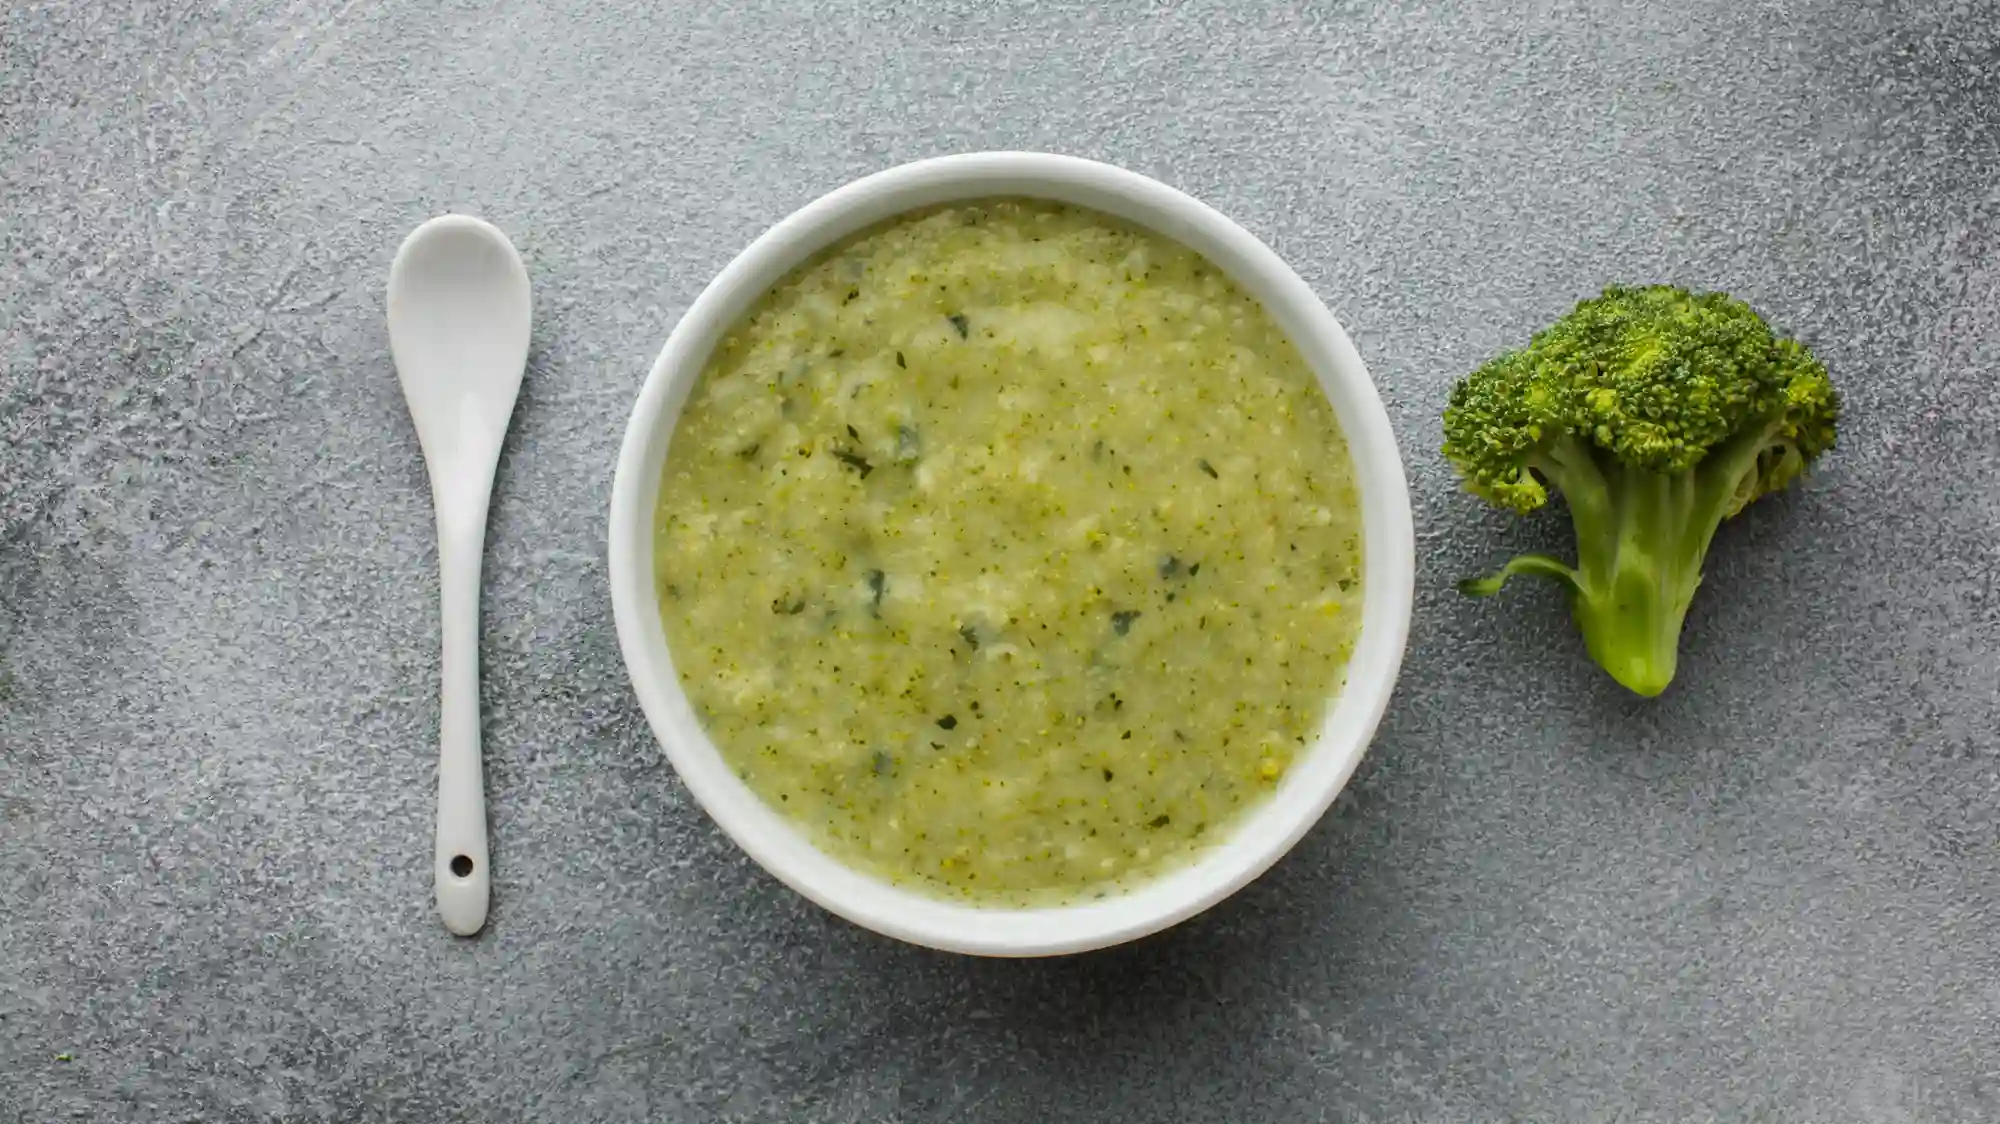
(1010, 551)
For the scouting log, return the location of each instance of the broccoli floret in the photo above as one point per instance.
(1657, 413)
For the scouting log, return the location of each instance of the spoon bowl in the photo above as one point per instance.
(459, 317)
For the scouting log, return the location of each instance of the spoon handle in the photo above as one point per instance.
(463, 882)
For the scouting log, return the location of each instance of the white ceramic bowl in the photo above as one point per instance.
(1314, 779)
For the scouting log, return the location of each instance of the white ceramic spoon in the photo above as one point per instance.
(459, 310)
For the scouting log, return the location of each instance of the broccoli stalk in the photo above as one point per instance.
(1641, 537)
(1657, 414)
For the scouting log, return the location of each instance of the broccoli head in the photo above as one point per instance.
(1657, 413)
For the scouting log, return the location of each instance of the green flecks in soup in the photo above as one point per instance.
(1010, 551)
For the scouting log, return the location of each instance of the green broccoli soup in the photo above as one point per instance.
(1010, 551)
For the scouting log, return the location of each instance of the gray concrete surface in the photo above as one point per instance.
(1773, 895)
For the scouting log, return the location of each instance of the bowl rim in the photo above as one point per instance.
(1266, 833)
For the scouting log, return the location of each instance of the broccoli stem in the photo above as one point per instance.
(1631, 596)
(1641, 538)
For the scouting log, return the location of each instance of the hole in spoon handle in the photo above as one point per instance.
(463, 888)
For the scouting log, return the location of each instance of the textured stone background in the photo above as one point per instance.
(1773, 895)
